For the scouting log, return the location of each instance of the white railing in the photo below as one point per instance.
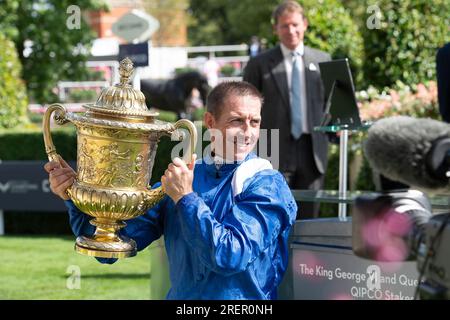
(114, 65)
(210, 53)
(63, 85)
(225, 79)
(237, 61)
(213, 49)
(224, 60)
(71, 107)
(114, 78)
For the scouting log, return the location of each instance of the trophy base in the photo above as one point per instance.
(106, 242)
(104, 254)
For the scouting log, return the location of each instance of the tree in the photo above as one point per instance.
(358, 10)
(13, 98)
(52, 41)
(404, 46)
(209, 23)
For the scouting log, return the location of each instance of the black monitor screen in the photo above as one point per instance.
(340, 93)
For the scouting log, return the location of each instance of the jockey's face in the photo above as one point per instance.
(235, 132)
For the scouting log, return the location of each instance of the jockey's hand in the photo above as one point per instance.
(61, 177)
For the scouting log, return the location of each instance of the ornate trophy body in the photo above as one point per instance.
(117, 138)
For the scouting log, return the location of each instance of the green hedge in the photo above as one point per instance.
(29, 145)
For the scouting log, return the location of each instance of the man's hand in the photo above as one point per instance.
(177, 179)
(61, 177)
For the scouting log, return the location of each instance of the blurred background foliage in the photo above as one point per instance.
(58, 52)
(13, 97)
(404, 47)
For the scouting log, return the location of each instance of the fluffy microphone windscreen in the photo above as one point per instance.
(398, 147)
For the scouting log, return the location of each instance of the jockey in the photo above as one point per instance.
(226, 218)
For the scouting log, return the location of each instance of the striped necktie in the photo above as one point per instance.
(296, 102)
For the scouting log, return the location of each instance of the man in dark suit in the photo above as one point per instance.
(443, 80)
(294, 102)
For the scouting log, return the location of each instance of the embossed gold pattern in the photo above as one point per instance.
(117, 140)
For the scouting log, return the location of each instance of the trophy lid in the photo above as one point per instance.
(121, 106)
(121, 99)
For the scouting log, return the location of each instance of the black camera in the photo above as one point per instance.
(398, 226)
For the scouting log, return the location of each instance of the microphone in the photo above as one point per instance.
(409, 150)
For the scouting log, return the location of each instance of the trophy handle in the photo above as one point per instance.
(154, 195)
(184, 123)
(60, 119)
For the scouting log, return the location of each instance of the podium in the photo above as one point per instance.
(322, 265)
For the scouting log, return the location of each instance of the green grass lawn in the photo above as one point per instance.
(40, 267)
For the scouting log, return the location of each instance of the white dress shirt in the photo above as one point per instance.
(288, 62)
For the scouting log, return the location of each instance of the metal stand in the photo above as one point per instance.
(2, 223)
(343, 197)
(343, 166)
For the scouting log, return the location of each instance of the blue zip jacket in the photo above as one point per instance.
(226, 240)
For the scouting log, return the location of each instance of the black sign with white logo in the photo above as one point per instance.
(24, 186)
(138, 53)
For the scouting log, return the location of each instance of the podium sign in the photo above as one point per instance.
(137, 53)
(24, 186)
(337, 274)
(322, 266)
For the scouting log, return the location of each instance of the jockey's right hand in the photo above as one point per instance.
(61, 177)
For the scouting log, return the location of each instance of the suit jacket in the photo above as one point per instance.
(267, 72)
(443, 79)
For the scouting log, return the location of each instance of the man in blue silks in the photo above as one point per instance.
(225, 219)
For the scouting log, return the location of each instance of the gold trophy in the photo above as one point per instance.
(117, 138)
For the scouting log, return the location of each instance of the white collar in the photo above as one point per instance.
(218, 161)
(287, 53)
